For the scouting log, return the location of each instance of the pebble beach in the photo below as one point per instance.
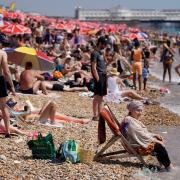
(16, 160)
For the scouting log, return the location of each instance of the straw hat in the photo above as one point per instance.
(114, 72)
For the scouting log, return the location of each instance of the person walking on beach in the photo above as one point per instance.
(5, 75)
(98, 68)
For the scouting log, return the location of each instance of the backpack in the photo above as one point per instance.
(68, 151)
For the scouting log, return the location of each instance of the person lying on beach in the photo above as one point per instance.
(31, 81)
(143, 141)
(42, 116)
(62, 87)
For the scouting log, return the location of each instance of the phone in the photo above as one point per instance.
(11, 103)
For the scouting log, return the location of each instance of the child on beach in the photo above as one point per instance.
(145, 73)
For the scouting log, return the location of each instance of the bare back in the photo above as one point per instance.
(27, 79)
(2, 54)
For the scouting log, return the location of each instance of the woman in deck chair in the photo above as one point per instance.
(141, 139)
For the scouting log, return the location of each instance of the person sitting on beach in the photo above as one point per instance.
(69, 68)
(114, 90)
(45, 115)
(143, 141)
(31, 81)
(46, 112)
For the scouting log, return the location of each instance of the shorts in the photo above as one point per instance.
(58, 87)
(3, 87)
(137, 68)
(39, 40)
(100, 87)
(28, 91)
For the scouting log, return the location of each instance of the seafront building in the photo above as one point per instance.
(123, 14)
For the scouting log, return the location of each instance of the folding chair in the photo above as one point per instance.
(18, 115)
(115, 127)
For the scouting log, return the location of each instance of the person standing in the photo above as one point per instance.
(177, 70)
(98, 69)
(5, 75)
(167, 59)
(136, 56)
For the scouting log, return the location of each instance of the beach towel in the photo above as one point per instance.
(54, 125)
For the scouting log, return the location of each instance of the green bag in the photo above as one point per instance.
(43, 147)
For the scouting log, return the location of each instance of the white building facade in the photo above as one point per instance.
(121, 14)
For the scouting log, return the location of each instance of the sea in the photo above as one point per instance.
(172, 28)
(171, 100)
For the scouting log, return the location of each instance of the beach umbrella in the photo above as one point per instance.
(133, 36)
(57, 26)
(14, 29)
(143, 35)
(11, 15)
(5, 24)
(22, 55)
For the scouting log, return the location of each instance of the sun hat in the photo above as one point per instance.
(135, 106)
(113, 71)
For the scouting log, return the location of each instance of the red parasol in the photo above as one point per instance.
(13, 29)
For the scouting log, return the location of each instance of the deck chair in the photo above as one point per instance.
(18, 115)
(115, 127)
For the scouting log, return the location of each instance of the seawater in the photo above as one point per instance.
(172, 100)
(171, 136)
(173, 28)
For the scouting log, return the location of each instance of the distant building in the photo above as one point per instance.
(122, 14)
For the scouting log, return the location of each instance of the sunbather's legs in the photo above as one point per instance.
(132, 94)
(36, 86)
(43, 88)
(39, 85)
(76, 89)
(48, 111)
(5, 114)
(134, 80)
(12, 129)
(97, 105)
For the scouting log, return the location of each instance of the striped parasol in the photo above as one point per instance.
(22, 55)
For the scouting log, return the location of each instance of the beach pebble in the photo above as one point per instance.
(3, 158)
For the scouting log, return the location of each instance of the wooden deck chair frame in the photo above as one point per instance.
(128, 150)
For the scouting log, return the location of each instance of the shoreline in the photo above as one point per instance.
(86, 136)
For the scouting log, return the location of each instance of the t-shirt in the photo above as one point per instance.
(98, 58)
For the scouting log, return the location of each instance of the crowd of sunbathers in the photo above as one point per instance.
(76, 56)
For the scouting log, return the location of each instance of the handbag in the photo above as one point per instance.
(68, 151)
(42, 147)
